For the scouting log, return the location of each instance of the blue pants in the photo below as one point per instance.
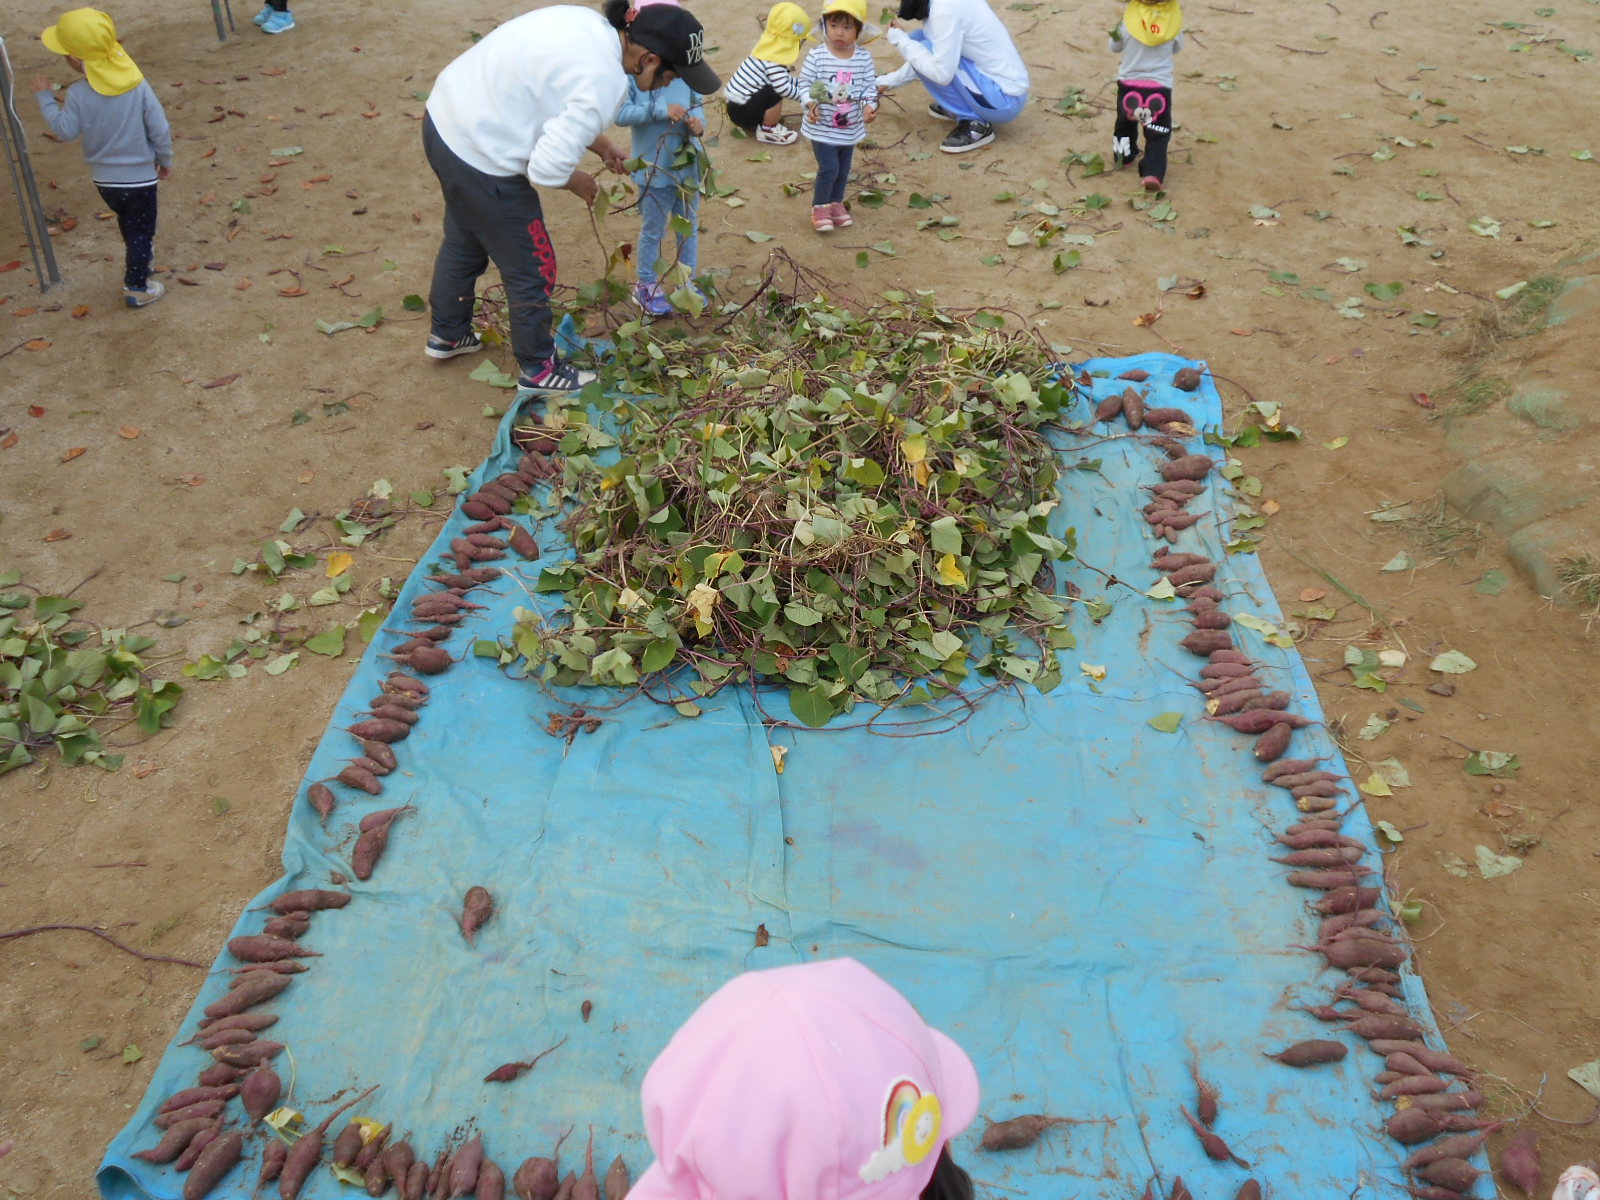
(833, 172)
(136, 221)
(491, 217)
(988, 103)
(657, 207)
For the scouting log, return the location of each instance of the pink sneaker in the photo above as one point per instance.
(822, 218)
(1151, 183)
(841, 215)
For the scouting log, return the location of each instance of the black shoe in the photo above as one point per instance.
(967, 135)
(555, 374)
(944, 114)
(439, 347)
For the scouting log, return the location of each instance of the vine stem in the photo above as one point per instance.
(182, 962)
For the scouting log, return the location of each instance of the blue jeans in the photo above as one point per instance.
(657, 207)
(988, 103)
(833, 172)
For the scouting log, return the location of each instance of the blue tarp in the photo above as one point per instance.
(1084, 902)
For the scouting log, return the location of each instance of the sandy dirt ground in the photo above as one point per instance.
(1323, 148)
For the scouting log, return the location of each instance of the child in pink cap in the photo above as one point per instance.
(810, 1082)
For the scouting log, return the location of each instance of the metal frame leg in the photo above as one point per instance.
(14, 145)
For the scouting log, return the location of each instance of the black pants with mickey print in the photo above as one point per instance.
(1141, 106)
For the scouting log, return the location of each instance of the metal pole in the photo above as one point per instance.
(222, 13)
(14, 144)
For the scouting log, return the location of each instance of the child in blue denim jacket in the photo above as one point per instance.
(667, 124)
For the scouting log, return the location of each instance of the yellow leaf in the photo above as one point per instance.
(1093, 671)
(370, 1130)
(702, 600)
(914, 448)
(921, 473)
(950, 572)
(778, 755)
(1376, 785)
(339, 562)
(1338, 443)
(282, 1118)
(1271, 508)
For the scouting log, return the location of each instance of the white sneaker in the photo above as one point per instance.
(154, 289)
(776, 135)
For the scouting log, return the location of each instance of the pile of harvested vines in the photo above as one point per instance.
(858, 507)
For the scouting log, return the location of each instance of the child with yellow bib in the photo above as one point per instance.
(1149, 34)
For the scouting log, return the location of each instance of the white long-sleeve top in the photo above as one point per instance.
(1152, 63)
(531, 95)
(960, 29)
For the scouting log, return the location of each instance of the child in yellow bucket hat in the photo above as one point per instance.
(126, 139)
(756, 90)
(1149, 34)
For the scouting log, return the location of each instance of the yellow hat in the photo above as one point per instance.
(90, 34)
(787, 26)
(853, 8)
(1153, 22)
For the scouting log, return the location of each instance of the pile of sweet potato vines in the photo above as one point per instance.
(858, 507)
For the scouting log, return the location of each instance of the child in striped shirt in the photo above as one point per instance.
(841, 85)
(756, 90)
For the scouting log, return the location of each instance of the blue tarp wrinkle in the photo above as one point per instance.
(1085, 903)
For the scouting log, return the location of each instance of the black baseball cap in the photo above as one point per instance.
(679, 39)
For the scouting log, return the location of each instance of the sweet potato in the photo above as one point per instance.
(1413, 1085)
(382, 817)
(1461, 1145)
(272, 1162)
(1200, 572)
(196, 1095)
(309, 900)
(394, 712)
(368, 850)
(536, 1179)
(1204, 641)
(321, 798)
(1289, 766)
(1135, 374)
(1216, 1149)
(1363, 954)
(617, 1182)
(371, 765)
(478, 510)
(568, 1185)
(430, 660)
(1018, 1131)
(1311, 1053)
(1173, 561)
(398, 1157)
(1386, 1025)
(1190, 466)
(1454, 1173)
(174, 1141)
(1403, 1063)
(260, 1092)
(1448, 1101)
(522, 541)
(1182, 520)
(1180, 1190)
(1412, 1125)
(1249, 1189)
(415, 1184)
(307, 1152)
(496, 504)
(265, 948)
(1133, 408)
(1273, 742)
(370, 1150)
(1211, 618)
(1321, 856)
(1323, 789)
(1307, 839)
(376, 1179)
(383, 729)
(1348, 899)
(513, 482)
(255, 988)
(1110, 407)
(220, 1157)
(285, 927)
(399, 681)
(1519, 1161)
(1262, 720)
(1368, 998)
(491, 1181)
(288, 966)
(197, 1146)
(347, 1145)
(219, 1074)
(1155, 418)
(476, 911)
(1176, 489)
(1371, 975)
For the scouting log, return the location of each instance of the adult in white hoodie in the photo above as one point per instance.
(514, 113)
(966, 59)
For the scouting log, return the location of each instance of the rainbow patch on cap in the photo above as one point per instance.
(912, 1119)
